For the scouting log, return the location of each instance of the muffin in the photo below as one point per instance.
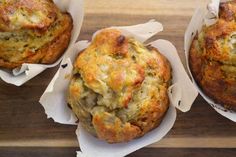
(32, 31)
(118, 89)
(213, 58)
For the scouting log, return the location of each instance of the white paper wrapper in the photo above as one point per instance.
(182, 94)
(26, 72)
(200, 18)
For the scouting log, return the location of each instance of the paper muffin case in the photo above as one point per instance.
(26, 72)
(182, 94)
(205, 16)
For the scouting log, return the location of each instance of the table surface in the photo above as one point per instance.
(24, 126)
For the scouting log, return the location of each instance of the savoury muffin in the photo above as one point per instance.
(213, 57)
(119, 87)
(32, 31)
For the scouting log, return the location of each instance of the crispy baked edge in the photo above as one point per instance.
(197, 76)
(49, 53)
(157, 121)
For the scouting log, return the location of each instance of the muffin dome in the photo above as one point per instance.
(32, 31)
(119, 87)
(213, 57)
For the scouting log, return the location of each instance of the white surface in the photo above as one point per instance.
(54, 98)
(27, 71)
(183, 90)
(200, 18)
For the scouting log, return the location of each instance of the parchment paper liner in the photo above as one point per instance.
(182, 94)
(207, 16)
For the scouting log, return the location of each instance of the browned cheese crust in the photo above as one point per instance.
(213, 58)
(32, 31)
(119, 87)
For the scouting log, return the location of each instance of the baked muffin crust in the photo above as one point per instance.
(119, 87)
(32, 31)
(213, 57)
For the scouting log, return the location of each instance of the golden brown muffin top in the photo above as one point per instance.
(107, 64)
(26, 14)
(29, 30)
(213, 57)
(220, 38)
(228, 10)
(119, 87)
